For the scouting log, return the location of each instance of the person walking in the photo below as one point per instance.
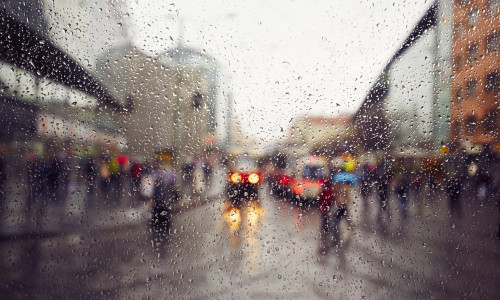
(165, 194)
(90, 182)
(384, 177)
(35, 178)
(326, 209)
(455, 177)
(402, 190)
(3, 181)
(115, 181)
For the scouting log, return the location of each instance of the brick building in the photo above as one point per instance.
(474, 111)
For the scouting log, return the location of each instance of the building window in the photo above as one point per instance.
(473, 17)
(471, 88)
(493, 42)
(490, 122)
(458, 95)
(472, 52)
(471, 124)
(459, 30)
(493, 6)
(492, 82)
(457, 63)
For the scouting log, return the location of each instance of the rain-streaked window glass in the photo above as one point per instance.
(473, 17)
(458, 94)
(245, 163)
(313, 172)
(493, 42)
(490, 121)
(472, 52)
(471, 88)
(459, 29)
(493, 6)
(457, 63)
(492, 83)
(278, 149)
(471, 124)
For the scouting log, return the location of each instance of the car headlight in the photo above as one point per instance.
(235, 178)
(253, 178)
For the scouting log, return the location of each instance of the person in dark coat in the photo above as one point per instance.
(402, 190)
(35, 202)
(165, 194)
(455, 166)
(90, 182)
(384, 177)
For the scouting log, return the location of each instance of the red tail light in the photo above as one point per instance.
(284, 180)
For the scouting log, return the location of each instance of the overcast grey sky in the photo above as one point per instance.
(283, 59)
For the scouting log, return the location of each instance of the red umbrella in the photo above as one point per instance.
(122, 159)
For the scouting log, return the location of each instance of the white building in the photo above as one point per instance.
(168, 102)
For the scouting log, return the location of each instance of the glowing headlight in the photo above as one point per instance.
(236, 178)
(253, 178)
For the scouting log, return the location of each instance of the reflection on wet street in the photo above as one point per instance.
(266, 248)
(265, 150)
(243, 222)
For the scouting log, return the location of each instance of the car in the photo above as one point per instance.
(243, 179)
(310, 181)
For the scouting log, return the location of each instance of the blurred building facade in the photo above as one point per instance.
(441, 86)
(320, 135)
(195, 96)
(47, 96)
(168, 101)
(475, 118)
(409, 102)
(408, 106)
(53, 114)
(47, 49)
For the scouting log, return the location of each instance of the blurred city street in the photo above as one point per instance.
(275, 255)
(253, 150)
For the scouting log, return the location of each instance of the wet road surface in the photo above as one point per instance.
(267, 249)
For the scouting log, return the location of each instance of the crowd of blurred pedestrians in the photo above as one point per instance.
(465, 180)
(457, 173)
(47, 182)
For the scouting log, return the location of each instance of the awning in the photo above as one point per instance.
(24, 48)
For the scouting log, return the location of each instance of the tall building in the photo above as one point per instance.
(320, 135)
(195, 92)
(168, 101)
(400, 110)
(474, 117)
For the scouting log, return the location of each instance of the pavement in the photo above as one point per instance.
(76, 217)
(270, 249)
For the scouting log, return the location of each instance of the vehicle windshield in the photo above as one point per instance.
(219, 149)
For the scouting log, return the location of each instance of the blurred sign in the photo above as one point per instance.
(444, 150)
(164, 156)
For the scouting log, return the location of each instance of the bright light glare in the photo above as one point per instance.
(236, 178)
(253, 178)
(298, 189)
